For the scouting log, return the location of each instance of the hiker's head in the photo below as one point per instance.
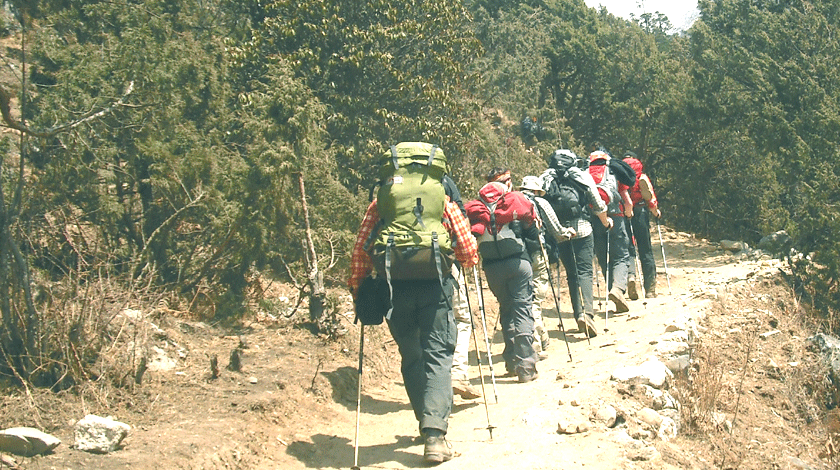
(500, 175)
(532, 183)
(631, 154)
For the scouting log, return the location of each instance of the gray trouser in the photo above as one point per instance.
(423, 326)
(619, 254)
(576, 256)
(510, 281)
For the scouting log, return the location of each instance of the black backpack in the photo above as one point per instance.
(566, 196)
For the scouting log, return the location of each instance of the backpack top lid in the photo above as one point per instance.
(533, 184)
(406, 153)
(562, 160)
(598, 155)
(490, 193)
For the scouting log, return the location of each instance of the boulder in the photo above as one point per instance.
(27, 441)
(99, 435)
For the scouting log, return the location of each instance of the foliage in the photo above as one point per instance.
(161, 141)
(388, 72)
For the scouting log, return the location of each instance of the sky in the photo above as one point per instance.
(681, 13)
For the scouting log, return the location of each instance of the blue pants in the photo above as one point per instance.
(640, 225)
(423, 325)
(576, 256)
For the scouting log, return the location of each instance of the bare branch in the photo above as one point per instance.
(5, 111)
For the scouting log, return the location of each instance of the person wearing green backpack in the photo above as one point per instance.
(409, 235)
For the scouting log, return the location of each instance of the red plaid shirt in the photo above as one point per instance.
(466, 248)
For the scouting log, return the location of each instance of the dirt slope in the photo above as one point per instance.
(753, 402)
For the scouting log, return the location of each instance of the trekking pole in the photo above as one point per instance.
(554, 294)
(607, 283)
(359, 399)
(480, 293)
(490, 427)
(664, 263)
(597, 279)
(636, 259)
(580, 296)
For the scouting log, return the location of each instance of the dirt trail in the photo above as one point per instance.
(526, 417)
(293, 406)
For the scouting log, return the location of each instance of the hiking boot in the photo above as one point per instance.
(650, 293)
(463, 389)
(586, 325)
(617, 296)
(545, 339)
(437, 450)
(632, 288)
(526, 376)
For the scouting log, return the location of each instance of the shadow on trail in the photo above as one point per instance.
(338, 452)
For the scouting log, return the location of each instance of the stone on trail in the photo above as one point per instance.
(27, 442)
(650, 417)
(652, 372)
(99, 435)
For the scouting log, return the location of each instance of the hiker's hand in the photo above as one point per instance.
(628, 212)
(609, 224)
(655, 212)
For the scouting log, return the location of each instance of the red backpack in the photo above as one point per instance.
(635, 192)
(494, 218)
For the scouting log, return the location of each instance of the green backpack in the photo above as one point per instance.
(410, 241)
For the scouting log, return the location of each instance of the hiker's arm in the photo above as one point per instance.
(360, 262)
(551, 223)
(466, 248)
(628, 203)
(605, 219)
(646, 188)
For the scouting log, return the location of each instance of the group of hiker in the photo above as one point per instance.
(418, 241)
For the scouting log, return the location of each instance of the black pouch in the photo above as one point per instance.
(373, 301)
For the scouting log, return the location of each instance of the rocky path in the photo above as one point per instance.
(579, 396)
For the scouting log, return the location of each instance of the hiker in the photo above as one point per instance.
(548, 226)
(574, 197)
(505, 227)
(613, 178)
(463, 321)
(420, 319)
(644, 205)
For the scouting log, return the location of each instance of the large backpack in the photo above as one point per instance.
(410, 240)
(608, 173)
(566, 196)
(605, 181)
(635, 191)
(497, 218)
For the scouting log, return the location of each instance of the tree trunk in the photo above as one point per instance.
(317, 297)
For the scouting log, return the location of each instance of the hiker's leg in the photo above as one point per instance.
(631, 263)
(641, 227)
(521, 291)
(599, 239)
(584, 252)
(539, 266)
(619, 254)
(460, 361)
(403, 325)
(437, 334)
(565, 252)
(497, 273)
